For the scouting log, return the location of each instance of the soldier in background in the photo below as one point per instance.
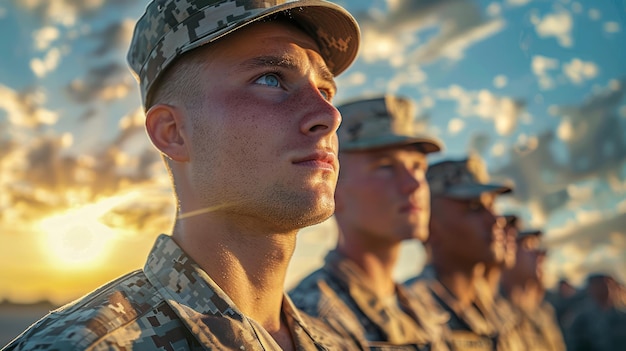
(491, 302)
(600, 324)
(522, 285)
(382, 199)
(465, 232)
(238, 101)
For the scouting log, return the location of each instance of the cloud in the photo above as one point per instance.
(594, 14)
(116, 36)
(43, 37)
(24, 108)
(47, 64)
(611, 27)
(460, 24)
(455, 126)
(558, 25)
(540, 66)
(410, 76)
(103, 83)
(66, 12)
(503, 111)
(42, 176)
(500, 81)
(518, 2)
(579, 71)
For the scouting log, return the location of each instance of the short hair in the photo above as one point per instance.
(179, 82)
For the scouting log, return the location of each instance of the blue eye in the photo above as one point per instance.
(269, 79)
(325, 94)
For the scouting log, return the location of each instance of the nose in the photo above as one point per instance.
(411, 180)
(322, 117)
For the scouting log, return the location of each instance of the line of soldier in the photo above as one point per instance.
(481, 288)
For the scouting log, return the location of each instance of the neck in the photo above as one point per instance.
(249, 265)
(377, 262)
(459, 279)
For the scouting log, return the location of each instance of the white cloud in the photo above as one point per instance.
(48, 63)
(354, 79)
(611, 27)
(455, 126)
(499, 149)
(558, 25)
(540, 66)
(578, 70)
(411, 76)
(565, 130)
(377, 46)
(64, 12)
(500, 81)
(43, 37)
(518, 2)
(23, 108)
(494, 9)
(594, 14)
(3, 12)
(503, 111)
(453, 45)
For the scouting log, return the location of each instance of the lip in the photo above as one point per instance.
(320, 159)
(410, 208)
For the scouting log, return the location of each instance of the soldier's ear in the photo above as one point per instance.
(166, 129)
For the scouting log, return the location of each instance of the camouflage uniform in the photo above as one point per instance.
(482, 325)
(469, 328)
(338, 295)
(172, 304)
(597, 329)
(540, 329)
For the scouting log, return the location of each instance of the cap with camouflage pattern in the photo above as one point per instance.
(170, 28)
(381, 122)
(517, 222)
(462, 179)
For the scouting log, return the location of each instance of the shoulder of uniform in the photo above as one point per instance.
(79, 324)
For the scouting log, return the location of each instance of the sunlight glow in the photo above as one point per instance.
(76, 239)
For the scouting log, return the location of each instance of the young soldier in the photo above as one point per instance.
(465, 233)
(522, 285)
(382, 199)
(238, 97)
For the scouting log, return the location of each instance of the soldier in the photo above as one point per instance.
(464, 234)
(522, 285)
(238, 101)
(382, 199)
(491, 302)
(600, 321)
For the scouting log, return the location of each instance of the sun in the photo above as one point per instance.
(76, 239)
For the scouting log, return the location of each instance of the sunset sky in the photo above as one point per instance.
(535, 87)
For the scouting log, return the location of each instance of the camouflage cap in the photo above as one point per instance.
(381, 122)
(170, 28)
(462, 179)
(514, 220)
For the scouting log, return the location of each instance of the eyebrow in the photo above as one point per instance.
(289, 63)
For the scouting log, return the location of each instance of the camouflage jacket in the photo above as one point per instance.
(471, 328)
(171, 304)
(540, 329)
(338, 294)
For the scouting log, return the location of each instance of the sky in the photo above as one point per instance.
(534, 87)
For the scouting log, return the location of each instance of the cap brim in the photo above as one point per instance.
(472, 191)
(332, 27)
(426, 144)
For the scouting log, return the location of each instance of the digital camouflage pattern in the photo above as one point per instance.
(462, 179)
(338, 294)
(171, 304)
(540, 329)
(469, 328)
(170, 28)
(381, 122)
